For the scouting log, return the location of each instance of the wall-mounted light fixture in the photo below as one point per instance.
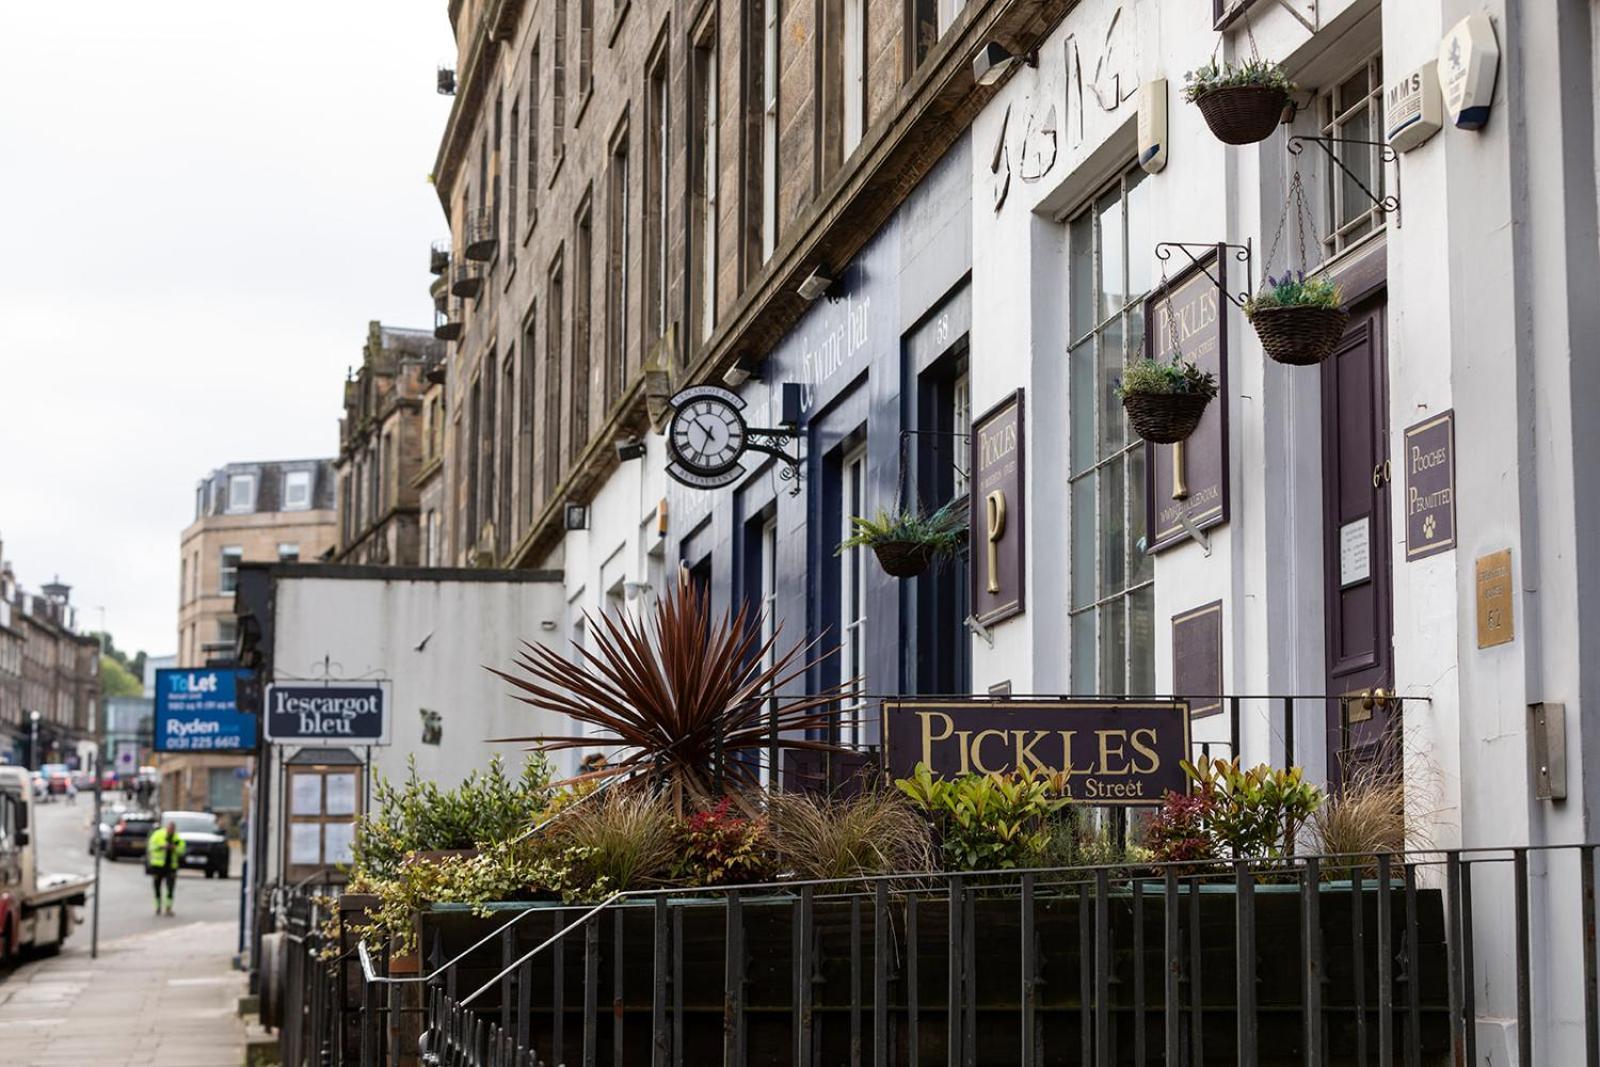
(816, 284)
(747, 368)
(994, 61)
(630, 448)
(577, 516)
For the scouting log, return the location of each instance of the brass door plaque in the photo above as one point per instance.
(1496, 626)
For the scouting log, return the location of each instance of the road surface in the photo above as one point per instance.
(127, 904)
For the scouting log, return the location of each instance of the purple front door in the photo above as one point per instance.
(1356, 543)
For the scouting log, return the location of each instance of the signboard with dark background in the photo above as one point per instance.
(338, 713)
(198, 711)
(1197, 658)
(997, 531)
(1114, 751)
(1430, 459)
(1189, 317)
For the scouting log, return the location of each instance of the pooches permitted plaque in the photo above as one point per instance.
(1430, 460)
(1110, 751)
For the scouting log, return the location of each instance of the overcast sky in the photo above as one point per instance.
(204, 203)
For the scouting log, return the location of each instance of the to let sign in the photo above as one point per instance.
(1431, 486)
(342, 713)
(1110, 751)
(997, 536)
(197, 711)
(1185, 319)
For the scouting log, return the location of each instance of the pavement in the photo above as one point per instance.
(167, 998)
(163, 991)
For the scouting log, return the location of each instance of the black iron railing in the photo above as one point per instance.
(1317, 960)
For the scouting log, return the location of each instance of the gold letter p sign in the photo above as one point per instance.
(997, 528)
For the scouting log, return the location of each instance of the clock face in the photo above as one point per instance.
(707, 435)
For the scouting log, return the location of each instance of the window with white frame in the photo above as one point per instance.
(241, 493)
(288, 552)
(227, 631)
(769, 617)
(297, 491)
(855, 73)
(852, 594)
(769, 130)
(961, 429)
(228, 569)
(1353, 111)
(1113, 591)
(704, 201)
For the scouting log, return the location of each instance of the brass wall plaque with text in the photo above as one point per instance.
(1496, 626)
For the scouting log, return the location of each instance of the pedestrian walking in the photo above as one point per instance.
(163, 853)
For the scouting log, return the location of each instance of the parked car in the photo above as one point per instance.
(129, 834)
(100, 837)
(206, 844)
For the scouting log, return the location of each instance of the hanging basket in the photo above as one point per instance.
(1165, 418)
(903, 559)
(1300, 336)
(1243, 114)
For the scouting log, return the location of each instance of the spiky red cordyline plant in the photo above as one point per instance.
(664, 685)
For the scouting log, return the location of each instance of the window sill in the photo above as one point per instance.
(583, 104)
(616, 22)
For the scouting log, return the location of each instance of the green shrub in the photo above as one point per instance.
(1157, 376)
(1253, 73)
(418, 816)
(1251, 813)
(1295, 290)
(985, 822)
(719, 846)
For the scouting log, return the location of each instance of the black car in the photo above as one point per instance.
(206, 846)
(129, 834)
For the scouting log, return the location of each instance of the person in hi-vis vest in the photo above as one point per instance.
(163, 853)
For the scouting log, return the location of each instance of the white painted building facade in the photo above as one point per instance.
(1482, 292)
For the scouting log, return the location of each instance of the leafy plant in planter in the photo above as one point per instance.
(719, 846)
(679, 695)
(1251, 813)
(1299, 319)
(907, 542)
(1242, 102)
(1165, 401)
(985, 822)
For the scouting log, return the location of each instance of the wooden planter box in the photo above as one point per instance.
(612, 964)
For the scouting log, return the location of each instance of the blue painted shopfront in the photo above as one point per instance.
(881, 360)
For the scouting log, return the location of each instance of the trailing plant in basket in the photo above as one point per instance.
(1154, 377)
(1294, 289)
(1246, 74)
(925, 537)
(1242, 102)
(1165, 401)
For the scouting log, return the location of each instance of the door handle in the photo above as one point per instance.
(1378, 697)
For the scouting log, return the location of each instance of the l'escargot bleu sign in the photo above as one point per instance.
(346, 713)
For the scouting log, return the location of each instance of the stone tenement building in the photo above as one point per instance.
(269, 511)
(46, 666)
(382, 446)
(636, 192)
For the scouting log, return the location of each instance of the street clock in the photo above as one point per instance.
(708, 436)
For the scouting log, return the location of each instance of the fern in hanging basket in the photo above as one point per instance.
(1165, 401)
(1242, 102)
(1299, 319)
(907, 542)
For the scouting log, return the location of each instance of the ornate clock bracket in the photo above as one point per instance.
(775, 442)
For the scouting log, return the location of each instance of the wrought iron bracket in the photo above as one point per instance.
(1244, 253)
(1389, 205)
(775, 442)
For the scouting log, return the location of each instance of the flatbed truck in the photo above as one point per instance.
(37, 911)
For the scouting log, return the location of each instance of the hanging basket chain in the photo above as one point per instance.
(1295, 201)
